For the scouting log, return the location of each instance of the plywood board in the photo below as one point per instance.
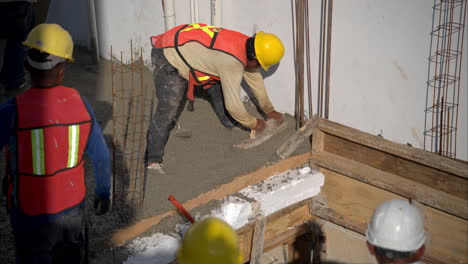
(351, 198)
(392, 183)
(345, 245)
(390, 163)
(424, 157)
(448, 236)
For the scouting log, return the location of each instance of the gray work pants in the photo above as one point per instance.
(171, 90)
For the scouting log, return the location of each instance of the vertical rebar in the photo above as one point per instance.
(445, 83)
(142, 121)
(122, 85)
(309, 78)
(114, 131)
(441, 126)
(328, 62)
(133, 119)
(323, 18)
(462, 29)
(300, 63)
(130, 182)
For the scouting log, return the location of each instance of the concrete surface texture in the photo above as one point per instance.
(193, 165)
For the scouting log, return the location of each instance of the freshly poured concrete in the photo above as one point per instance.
(193, 165)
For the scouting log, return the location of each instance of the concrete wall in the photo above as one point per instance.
(379, 54)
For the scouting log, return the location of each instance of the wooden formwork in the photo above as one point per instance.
(362, 171)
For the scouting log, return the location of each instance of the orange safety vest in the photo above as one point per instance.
(52, 133)
(215, 38)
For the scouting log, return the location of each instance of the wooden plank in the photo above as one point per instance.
(393, 183)
(448, 236)
(345, 245)
(350, 203)
(258, 239)
(282, 227)
(351, 198)
(317, 141)
(295, 140)
(219, 193)
(417, 155)
(332, 216)
(384, 161)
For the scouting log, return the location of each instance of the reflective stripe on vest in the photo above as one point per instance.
(37, 140)
(205, 29)
(73, 143)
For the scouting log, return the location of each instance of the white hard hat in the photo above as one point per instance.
(397, 225)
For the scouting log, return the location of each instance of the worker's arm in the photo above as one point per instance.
(254, 79)
(99, 154)
(231, 75)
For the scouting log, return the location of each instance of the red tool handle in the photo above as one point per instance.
(181, 208)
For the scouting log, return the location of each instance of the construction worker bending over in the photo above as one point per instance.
(210, 241)
(47, 130)
(396, 233)
(217, 60)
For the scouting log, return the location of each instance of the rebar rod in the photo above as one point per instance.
(322, 56)
(143, 120)
(309, 78)
(441, 132)
(328, 62)
(134, 109)
(301, 65)
(435, 113)
(114, 131)
(463, 12)
(122, 85)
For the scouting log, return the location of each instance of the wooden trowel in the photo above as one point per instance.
(272, 128)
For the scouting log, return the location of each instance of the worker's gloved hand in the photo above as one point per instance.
(101, 205)
(261, 125)
(278, 117)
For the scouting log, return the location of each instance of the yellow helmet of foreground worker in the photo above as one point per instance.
(268, 48)
(210, 241)
(51, 38)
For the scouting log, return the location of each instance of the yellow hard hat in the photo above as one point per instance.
(268, 48)
(210, 241)
(51, 38)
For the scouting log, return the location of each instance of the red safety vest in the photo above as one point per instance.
(52, 133)
(225, 40)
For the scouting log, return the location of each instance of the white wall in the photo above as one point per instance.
(379, 54)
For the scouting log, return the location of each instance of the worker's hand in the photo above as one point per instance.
(261, 125)
(278, 117)
(101, 205)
